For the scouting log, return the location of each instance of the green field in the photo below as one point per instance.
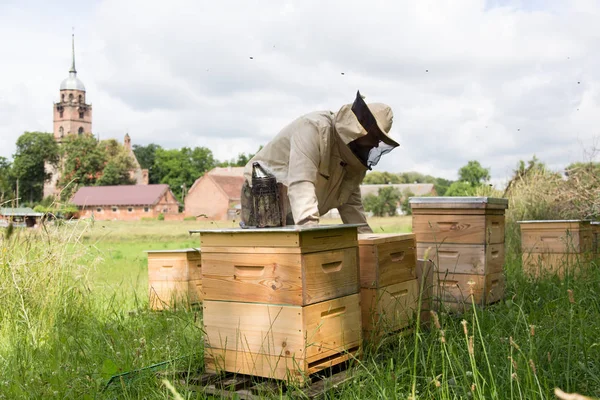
(75, 313)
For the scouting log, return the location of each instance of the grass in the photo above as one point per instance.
(74, 313)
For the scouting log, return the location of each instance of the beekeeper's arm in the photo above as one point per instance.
(302, 173)
(352, 212)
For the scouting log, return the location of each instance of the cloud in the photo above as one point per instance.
(495, 81)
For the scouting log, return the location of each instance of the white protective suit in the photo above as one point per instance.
(311, 158)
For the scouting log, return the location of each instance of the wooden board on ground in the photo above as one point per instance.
(386, 259)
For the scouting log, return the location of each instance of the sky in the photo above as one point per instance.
(496, 81)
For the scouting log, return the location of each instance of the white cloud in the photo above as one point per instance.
(495, 81)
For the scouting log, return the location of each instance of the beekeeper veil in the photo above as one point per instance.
(364, 129)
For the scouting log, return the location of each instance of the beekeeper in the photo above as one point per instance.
(321, 159)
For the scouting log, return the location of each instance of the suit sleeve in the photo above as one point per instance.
(352, 212)
(302, 173)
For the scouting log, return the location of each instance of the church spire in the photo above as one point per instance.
(73, 70)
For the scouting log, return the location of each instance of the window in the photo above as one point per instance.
(60, 113)
(70, 97)
(80, 131)
(130, 209)
(80, 98)
(146, 209)
(115, 209)
(61, 131)
(80, 114)
(62, 97)
(98, 209)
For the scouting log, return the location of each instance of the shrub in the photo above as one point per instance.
(161, 217)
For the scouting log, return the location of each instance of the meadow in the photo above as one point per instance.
(74, 323)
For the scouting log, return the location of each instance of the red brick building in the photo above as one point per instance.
(126, 202)
(216, 195)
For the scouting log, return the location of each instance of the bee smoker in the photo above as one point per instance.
(265, 194)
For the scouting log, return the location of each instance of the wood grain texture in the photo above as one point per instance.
(542, 264)
(380, 238)
(456, 207)
(262, 278)
(464, 258)
(386, 261)
(459, 288)
(389, 308)
(196, 294)
(295, 279)
(168, 294)
(171, 266)
(556, 237)
(425, 272)
(274, 340)
(459, 229)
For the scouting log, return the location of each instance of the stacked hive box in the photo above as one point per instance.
(174, 277)
(464, 238)
(280, 303)
(388, 281)
(555, 246)
(596, 230)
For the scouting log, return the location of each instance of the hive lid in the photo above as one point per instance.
(190, 250)
(280, 229)
(379, 238)
(558, 221)
(458, 202)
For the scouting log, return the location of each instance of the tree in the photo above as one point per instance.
(461, 188)
(474, 174)
(241, 161)
(386, 202)
(34, 150)
(405, 204)
(6, 180)
(83, 162)
(381, 178)
(146, 156)
(441, 186)
(179, 168)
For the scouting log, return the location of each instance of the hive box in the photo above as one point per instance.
(596, 229)
(464, 238)
(555, 246)
(386, 259)
(282, 302)
(174, 277)
(389, 308)
(281, 341)
(288, 265)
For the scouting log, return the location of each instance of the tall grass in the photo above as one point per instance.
(61, 339)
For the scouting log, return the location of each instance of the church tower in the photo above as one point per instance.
(72, 116)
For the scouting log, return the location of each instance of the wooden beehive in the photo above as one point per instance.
(386, 259)
(282, 302)
(388, 281)
(464, 238)
(174, 277)
(280, 341)
(596, 229)
(288, 265)
(555, 246)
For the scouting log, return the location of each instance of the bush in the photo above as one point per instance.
(161, 217)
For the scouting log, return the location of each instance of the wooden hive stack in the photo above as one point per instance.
(388, 282)
(464, 238)
(174, 278)
(596, 229)
(555, 246)
(280, 303)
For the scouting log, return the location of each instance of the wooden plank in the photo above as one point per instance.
(168, 267)
(262, 278)
(474, 259)
(558, 237)
(459, 229)
(380, 238)
(541, 264)
(387, 262)
(249, 238)
(459, 288)
(337, 238)
(167, 294)
(329, 275)
(194, 267)
(195, 291)
(331, 327)
(425, 272)
(254, 328)
(455, 211)
(389, 308)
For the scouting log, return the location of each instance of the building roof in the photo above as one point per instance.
(72, 82)
(122, 195)
(231, 185)
(19, 212)
(227, 171)
(417, 189)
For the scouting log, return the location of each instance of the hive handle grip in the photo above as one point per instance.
(398, 256)
(334, 312)
(330, 267)
(249, 270)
